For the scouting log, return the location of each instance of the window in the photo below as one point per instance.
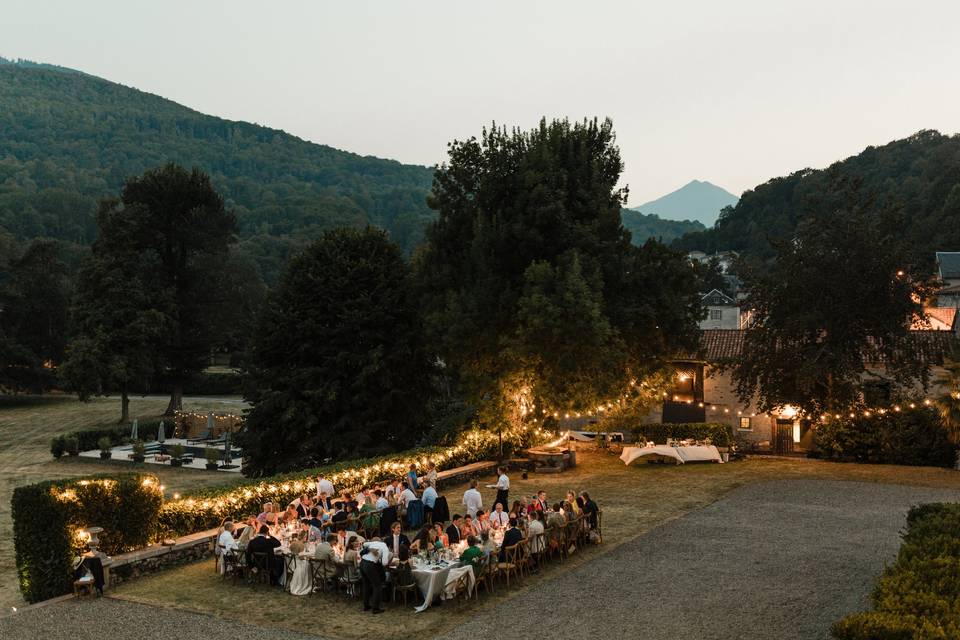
(716, 314)
(745, 424)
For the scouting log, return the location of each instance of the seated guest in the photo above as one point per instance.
(432, 473)
(482, 522)
(574, 505)
(472, 554)
(367, 513)
(296, 547)
(407, 496)
(489, 546)
(590, 508)
(396, 540)
(323, 550)
(540, 502)
(393, 490)
(555, 517)
(352, 556)
(249, 531)
(468, 528)
(412, 478)
(404, 570)
(423, 540)
(314, 520)
(440, 539)
(567, 511)
(267, 510)
(382, 502)
(340, 515)
(498, 519)
(535, 532)
(512, 536)
(453, 531)
(226, 541)
(265, 543)
(429, 497)
(517, 510)
(290, 515)
(304, 504)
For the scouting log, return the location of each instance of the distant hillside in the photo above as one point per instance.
(919, 175)
(698, 201)
(643, 227)
(68, 139)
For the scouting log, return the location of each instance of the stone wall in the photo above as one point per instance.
(158, 557)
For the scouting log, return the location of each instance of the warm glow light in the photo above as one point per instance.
(789, 411)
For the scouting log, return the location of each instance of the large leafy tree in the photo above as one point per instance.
(837, 296)
(160, 259)
(338, 368)
(532, 291)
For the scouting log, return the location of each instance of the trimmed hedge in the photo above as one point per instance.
(88, 439)
(919, 595)
(47, 517)
(719, 433)
(915, 437)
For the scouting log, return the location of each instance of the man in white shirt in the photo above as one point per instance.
(225, 544)
(472, 499)
(498, 517)
(325, 487)
(393, 488)
(374, 558)
(382, 502)
(407, 496)
(502, 487)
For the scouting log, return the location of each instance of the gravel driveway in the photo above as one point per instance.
(779, 559)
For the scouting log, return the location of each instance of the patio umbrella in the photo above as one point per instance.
(210, 424)
(226, 448)
(161, 433)
(134, 431)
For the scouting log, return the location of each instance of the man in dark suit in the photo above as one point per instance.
(453, 530)
(396, 539)
(265, 543)
(512, 536)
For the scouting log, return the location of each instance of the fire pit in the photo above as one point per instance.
(552, 459)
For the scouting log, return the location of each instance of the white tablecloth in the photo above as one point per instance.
(449, 590)
(680, 454)
(432, 582)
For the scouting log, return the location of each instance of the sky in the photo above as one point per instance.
(733, 92)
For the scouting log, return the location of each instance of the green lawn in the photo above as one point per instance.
(634, 499)
(27, 424)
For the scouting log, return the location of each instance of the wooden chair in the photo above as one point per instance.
(260, 568)
(511, 567)
(289, 567)
(538, 549)
(483, 575)
(230, 561)
(461, 590)
(404, 587)
(321, 573)
(350, 580)
(599, 527)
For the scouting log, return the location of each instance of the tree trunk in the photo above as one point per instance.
(176, 399)
(124, 405)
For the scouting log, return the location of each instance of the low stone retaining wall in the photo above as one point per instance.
(158, 557)
(459, 475)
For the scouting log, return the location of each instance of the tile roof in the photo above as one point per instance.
(718, 345)
(946, 315)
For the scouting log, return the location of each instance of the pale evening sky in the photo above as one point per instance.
(732, 92)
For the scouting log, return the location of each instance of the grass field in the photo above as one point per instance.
(634, 499)
(26, 426)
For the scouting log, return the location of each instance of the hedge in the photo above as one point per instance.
(719, 433)
(916, 437)
(919, 595)
(48, 516)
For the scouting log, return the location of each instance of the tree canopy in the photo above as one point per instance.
(339, 367)
(533, 292)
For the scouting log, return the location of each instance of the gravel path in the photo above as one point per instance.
(109, 619)
(779, 559)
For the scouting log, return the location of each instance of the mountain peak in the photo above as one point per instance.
(697, 200)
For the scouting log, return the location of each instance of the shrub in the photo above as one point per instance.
(919, 595)
(58, 447)
(89, 439)
(915, 437)
(139, 448)
(48, 516)
(71, 445)
(720, 434)
(177, 451)
(104, 444)
(212, 455)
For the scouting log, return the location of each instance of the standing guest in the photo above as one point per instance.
(502, 487)
(265, 543)
(472, 499)
(429, 498)
(374, 559)
(325, 487)
(453, 531)
(382, 502)
(498, 517)
(472, 554)
(512, 536)
(412, 478)
(396, 539)
(432, 473)
(590, 508)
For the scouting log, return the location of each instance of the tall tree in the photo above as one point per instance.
(532, 290)
(338, 367)
(840, 294)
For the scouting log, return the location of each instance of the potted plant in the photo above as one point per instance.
(176, 455)
(213, 458)
(72, 445)
(105, 447)
(139, 451)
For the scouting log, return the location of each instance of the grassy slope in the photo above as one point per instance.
(26, 427)
(634, 500)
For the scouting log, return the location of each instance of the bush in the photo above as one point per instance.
(139, 449)
(177, 451)
(718, 433)
(47, 518)
(58, 447)
(916, 437)
(71, 445)
(919, 595)
(104, 444)
(211, 455)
